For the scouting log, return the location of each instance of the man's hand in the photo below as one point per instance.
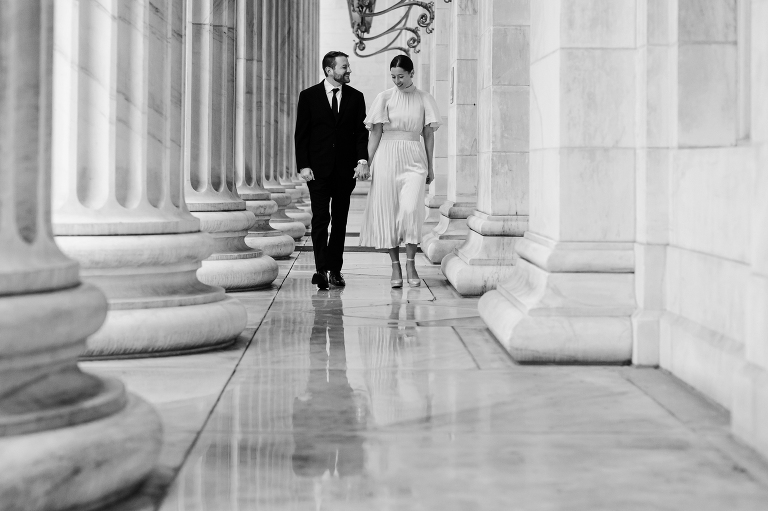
(361, 171)
(307, 174)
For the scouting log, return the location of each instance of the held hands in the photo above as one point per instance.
(306, 174)
(362, 172)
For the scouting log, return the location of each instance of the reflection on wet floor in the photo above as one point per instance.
(372, 399)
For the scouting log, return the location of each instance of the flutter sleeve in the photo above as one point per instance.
(431, 112)
(378, 113)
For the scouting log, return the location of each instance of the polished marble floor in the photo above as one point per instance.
(369, 398)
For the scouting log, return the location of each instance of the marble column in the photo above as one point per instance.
(287, 98)
(488, 255)
(211, 192)
(571, 294)
(451, 230)
(440, 88)
(249, 134)
(749, 412)
(271, 54)
(118, 204)
(68, 439)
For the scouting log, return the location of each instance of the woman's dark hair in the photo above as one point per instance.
(404, 62)
(330, 59)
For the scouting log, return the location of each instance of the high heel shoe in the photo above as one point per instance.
(396, 283)
(412, 282)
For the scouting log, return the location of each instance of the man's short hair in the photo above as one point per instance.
(330, 59)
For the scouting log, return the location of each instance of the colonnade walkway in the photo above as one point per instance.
(369, 398)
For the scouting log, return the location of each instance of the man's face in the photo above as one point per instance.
(341, 71)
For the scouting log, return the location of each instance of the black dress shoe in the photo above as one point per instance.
(321, 279)
(337, 279)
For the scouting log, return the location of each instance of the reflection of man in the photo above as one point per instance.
(326, 418)
(331, 151)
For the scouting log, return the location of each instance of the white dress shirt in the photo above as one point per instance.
(329, 93)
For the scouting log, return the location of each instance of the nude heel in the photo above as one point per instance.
(413, 282)
(396, 283)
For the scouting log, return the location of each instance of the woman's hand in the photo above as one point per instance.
(430, 175)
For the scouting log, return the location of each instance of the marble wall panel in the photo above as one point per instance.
(544, 192)
(660, 105)
(545, 108)
(502, 188)
(509, 48)
(597, 23)
(652, 171)
(510, 119)
(757, 324)
(707, 95)
(661, 25)
(507, 13)
(545, 28)
(759, 70)
(713, 20)
(597, 194)
(707, 290)
(597, 98)
(708, 210)
(465, 79)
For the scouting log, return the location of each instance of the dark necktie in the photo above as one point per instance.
(335, 104)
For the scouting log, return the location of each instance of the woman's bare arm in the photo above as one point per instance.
(429, 144)
(373, 141)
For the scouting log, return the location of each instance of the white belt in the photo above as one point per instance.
(401, 135)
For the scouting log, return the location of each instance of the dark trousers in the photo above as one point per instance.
(330, 205)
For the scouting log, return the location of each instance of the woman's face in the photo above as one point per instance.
(401, 78)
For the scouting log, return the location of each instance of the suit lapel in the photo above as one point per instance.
(323, 98)
(345, 101)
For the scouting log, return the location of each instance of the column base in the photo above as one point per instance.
(234, 265)
(263, 236)
(86, 466)
(157, 305)
(488, 255)
(450, 232)
(432, 205)
(283, 222)
(749, 411)
(558, 307)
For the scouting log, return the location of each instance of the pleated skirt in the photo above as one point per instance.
(395, 210)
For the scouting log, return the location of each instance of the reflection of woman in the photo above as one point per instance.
(401, 165)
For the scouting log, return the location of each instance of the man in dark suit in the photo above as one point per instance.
(331, 153)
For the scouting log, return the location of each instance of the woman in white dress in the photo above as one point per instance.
(402, 121)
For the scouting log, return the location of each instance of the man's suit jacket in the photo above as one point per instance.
(329, 147)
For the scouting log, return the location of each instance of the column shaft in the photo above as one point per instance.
(271, 180)
(439, 87)
(211, 191)
(119, 206)
(501, 217)
(571, 294)
(249, 134)
(68, 439)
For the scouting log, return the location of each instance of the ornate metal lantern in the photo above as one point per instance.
(362, 12)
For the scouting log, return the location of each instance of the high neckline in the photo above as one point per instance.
(407, 90)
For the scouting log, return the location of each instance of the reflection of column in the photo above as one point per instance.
(501, 217)
(451, 230)
(270, 181)
(571, 293)
(439, 76)
(68, 439)
(119, 203)
(248, 134)
(210, 150)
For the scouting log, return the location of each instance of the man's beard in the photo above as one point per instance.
(341, 78)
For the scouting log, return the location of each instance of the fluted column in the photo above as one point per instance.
(287, 98)
(451, 230)
(488, 255)
(211, 192)
(68, 439)
(118, 206)
(439, 86)
(249, 134)
(570, 297)
(270, 179)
